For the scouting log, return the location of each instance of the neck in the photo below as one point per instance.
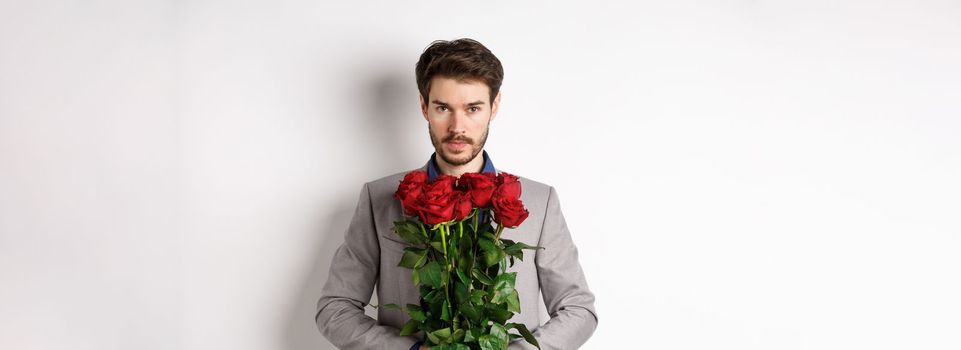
(476, 165)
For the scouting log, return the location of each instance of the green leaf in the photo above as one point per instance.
(452, 243)
(416, 312)
(514, 302)
(411, 327)
(472, 314)
(515, 253)
(489, 342)
(387, 306)
(455, 346)
(466, 244)
(482, 277)
(445, 311)
(472, 335)
(522, 328)
(503, 286)
(516, 249)
(436, 308)
(430, 274)
(461, 294)
(498, 332)
(409, 231)
(438, 246)
(492, 253)
(434, 296)
(457, 336)
(497, 312)
(488, 232)
(462, 276)
(413, 257)
(477, 297)
(440, 336)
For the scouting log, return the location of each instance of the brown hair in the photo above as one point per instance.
(461, 59)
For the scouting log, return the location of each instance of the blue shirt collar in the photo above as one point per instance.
(433, 170)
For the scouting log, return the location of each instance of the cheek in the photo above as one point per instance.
(479, 124)
(437, 128)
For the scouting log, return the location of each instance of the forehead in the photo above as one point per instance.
(454, 90)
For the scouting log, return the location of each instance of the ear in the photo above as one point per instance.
(423, 106)
(495, 106)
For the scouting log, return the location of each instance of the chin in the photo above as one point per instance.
(458, 159)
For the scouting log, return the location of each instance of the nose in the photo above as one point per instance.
(458, 123)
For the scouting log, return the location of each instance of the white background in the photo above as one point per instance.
(735, 174)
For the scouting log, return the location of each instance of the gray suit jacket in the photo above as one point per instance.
(371, 251)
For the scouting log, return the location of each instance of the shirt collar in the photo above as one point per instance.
(433, 170)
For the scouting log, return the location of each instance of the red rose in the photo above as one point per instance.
(442, 184)
(410, 189)
(462, 205)
(508, 185)
(503, 178)
(435, 204)
(510, 190)
(481, 187)
(508, 208)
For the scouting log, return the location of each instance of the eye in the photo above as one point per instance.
(474, 108)
(442, 108)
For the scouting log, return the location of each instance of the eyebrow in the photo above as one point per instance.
(475, 103)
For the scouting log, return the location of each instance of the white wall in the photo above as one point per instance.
(736, 174)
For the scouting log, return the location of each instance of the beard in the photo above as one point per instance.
(465, 156)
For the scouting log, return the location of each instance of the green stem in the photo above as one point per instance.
(443, 238)
(497, 241)
(453, 251)
(476, 215)
(448, 260)
(500, 228)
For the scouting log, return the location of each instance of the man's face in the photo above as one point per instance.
(458, 117)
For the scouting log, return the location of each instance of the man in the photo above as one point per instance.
(459, 83)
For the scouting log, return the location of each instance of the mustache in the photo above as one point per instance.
(461, 139)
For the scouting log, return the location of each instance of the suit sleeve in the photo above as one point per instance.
(569, 301)
(353, 272)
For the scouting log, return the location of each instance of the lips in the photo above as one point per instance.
(456, 144)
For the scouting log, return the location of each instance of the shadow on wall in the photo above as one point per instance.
(389, 120)
(385, 122)
(300, 330)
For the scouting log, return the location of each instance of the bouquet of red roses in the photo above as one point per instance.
(459, 260)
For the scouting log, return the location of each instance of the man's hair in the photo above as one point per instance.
(462, 59)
